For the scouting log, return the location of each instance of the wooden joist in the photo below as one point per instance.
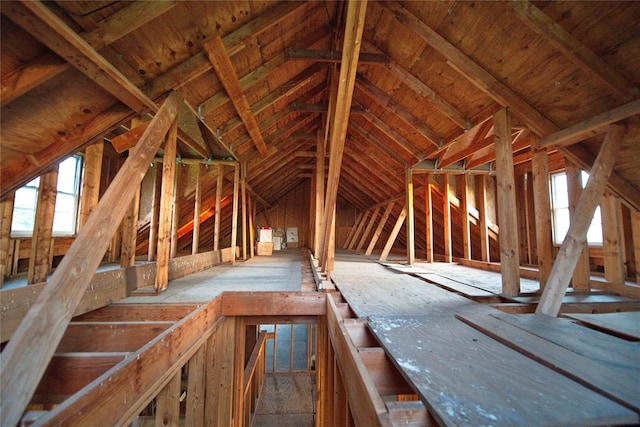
(334, 56)
(42, 329)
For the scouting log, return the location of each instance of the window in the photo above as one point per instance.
(66, 210)
(560, 211)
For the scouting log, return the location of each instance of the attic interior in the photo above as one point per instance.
(446, 197)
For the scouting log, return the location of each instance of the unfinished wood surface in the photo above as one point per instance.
(273, 304)
(175, 214)
(464, 213)
(354, 26)
(379, 228)
(582, 272)
(367, 230)
(319, 195)
(218, 213)
(625, 325)
(219, 374)
(567, 257)
(166, 209)
(360, 227)
(234, 213)
(197, 207)
(243, 203)
(6, 216)
(583, 361)
(39, 262)
(635, 230)
(507, 219)
(542, 207)
(58, 300)
(481, 187)
(90, 181)
(393, 235)
(130, 232)
(446, 218)
(612, 239)
(428, 210)
(168, 402)
(461, 393)
(410, 221)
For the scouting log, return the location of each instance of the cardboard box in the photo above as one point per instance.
(264, 248)
(277, 243)
(265, 234)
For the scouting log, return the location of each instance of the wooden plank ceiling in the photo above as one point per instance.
(255, 76)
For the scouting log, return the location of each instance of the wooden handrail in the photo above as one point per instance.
(256, 354)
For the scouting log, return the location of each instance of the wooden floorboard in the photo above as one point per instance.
(626, 325)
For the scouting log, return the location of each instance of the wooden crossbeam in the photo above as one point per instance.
(334, 56)
(42, 23)
(217, 54)
(571, 247)
(26, 356)
(394, 234)
(49, 65)
(574, 49)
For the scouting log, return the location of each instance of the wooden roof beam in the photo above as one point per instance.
(321, 108)
(354, 26)
(572, 48)
(38, 20)
(334, 56)
(389, 104)
(394, 135)
(49, 65)
(214, 47)
(482, 79)
(594, 126)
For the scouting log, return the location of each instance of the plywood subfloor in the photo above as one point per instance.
(464, 376)
(286, 400)
(280, 272)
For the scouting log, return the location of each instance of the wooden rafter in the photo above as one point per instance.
(42, 23)
(575, 50)
(334, 56)
(214, 47)
(49, 65)
(394, 135)
(26, 357)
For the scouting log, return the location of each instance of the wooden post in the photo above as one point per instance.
(612, 240)
(234, 215)
(194, 415)
(90, 181)
(197, 207)
(509, 246)
(216, 226)
(428, 209)
(29, 351)
(542, 206)
(175, 217)
(569, 252)
(394, 233)
(635, 231)
(411, 243)
(481, 191)
(238, 377)
(530, 219)
(464, 209)
(331, 253)
(168, 403)
(155, 212)
(130, 232)
(243, 189)
(252, 221)
(319, 194)
(582, 273)
(446, 218)
(380, 227)
(6, 216)
(43, 228)
(166, 205)
(367, 230)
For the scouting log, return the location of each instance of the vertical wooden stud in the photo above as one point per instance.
(168, 403)
(90, 181)
(166, 205)
(130, 232)
(612, 249)
(446, 219)
(410, 223)
(635, 230)
(6, 216)
(251, 209)
(508, 221)
(464, 207)
(581, 279)
(428, 210)
(197, 207)
(319, 194)
(175, 217)
(243, 189)
(194, 415)
(481, 191)
(542, 206)
(216, 225)
(234, 215)
(43, 228)
(155, 214)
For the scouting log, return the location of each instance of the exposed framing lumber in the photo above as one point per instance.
(481, 191)
(319, 193)
(166, 209)
(6, 217)
(428, 219)
(612, 245)
(39, 262)
(234, 214)
(356, 235)
(335, 56)
(197, 208)
(394, 234)
(473, 72)
(367, 230)
(42, 23)
(507, 216)
(90, 181)
(26, 356)
(218, 213)
(379, 228)
(354, 26)
(194, 415)
(446, 219)
(567, 257)
(217, 54)
(130, 232)
(592, 127)
(581, 273)
(353, 229)
(572, 48)
(410, 223)
(243, 202)
(49, 65)
(542, 207)
(635, 231)
(464, 212)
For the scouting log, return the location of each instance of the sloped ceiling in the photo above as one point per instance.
(430, 77)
